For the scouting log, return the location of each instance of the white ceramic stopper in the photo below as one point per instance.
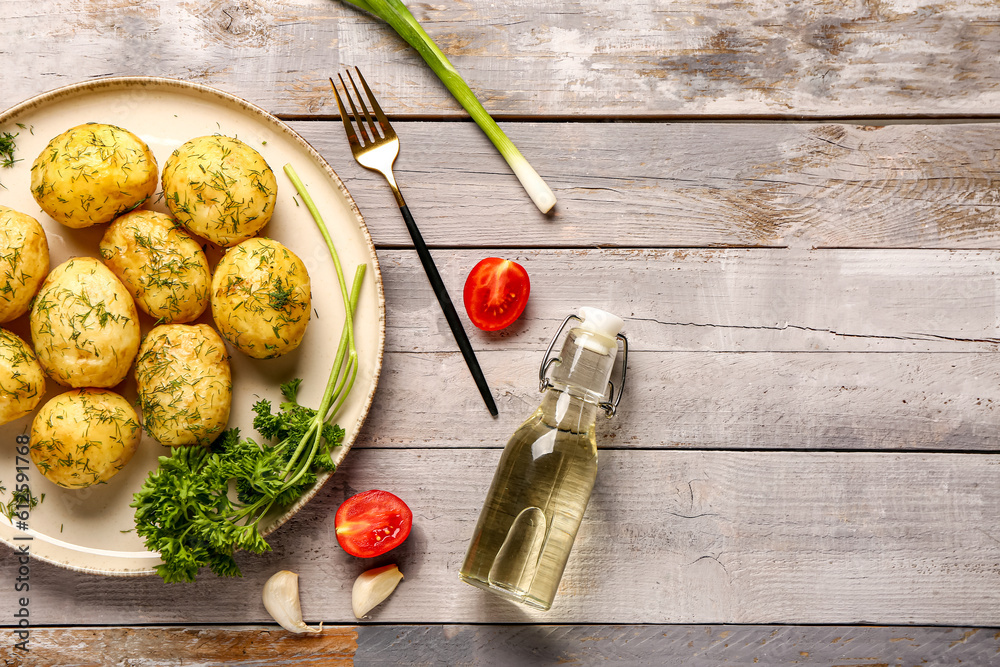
(602, 324)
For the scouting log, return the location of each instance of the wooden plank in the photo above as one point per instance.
(724, 300)
(669, 537)
(801, 185)
(730, 349)
(650, 185)
(166, 646)
(484, 645)
(692, 317)
(895, 57)
(658, 645)
(692, 400)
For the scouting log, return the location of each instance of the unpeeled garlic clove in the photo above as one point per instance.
(281, 599)
(372, 587)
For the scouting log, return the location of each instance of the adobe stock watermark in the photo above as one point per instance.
(19, 512)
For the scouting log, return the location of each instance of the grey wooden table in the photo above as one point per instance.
(796, 208)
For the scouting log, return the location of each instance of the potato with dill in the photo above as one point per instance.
(84, 437)
(22, 381)
(261, 298)
(220, 189)
(84, 325)
(163, 268)
(24, 262)
(92, 173)
(185, 385)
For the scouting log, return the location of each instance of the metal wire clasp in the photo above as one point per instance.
(609, 405)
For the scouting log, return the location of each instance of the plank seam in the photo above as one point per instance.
(708, 450)
(867, 119)
(274, 627)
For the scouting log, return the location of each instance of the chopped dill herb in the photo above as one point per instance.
(279, 297)
(22, 498)
(7, 146)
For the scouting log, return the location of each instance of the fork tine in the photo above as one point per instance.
(358, 120)
(376, 135)
(352, 136)
(383, 121)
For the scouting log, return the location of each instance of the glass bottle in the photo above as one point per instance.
(543, 482)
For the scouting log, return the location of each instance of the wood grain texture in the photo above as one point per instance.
(659, 645)
(730, 349)
(669, 537)
(808, 435)
(501, 645)
(824, 58)
(651, 185)
(799, 185)
(725, 300)
(165, 647)
(763, 401)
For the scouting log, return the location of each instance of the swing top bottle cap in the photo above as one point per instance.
(600, 322)
(602, 326)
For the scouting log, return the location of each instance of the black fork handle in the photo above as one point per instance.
(449, 310)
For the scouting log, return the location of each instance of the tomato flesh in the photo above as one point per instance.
(496, 293)
(371, 523)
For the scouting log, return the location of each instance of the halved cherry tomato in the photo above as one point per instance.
(372, 522)
(496, 293)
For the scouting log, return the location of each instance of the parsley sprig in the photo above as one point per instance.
(185, 511)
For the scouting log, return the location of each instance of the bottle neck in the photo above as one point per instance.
(568, 410)
(584, 366)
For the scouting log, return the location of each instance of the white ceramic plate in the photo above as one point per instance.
(91, 530)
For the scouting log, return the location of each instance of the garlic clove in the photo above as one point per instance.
(372, 587)
(281, 599)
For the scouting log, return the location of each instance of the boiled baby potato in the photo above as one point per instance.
(22, 382)
(93, 173)
(261, 298)
(24, 262)
(219, 189)
(185, 386)
(84, 437)
(84, 325)
(163, 268)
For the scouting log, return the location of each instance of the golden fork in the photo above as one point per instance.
(375, 146)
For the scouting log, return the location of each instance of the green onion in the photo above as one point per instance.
(334, 390)
(401, 20)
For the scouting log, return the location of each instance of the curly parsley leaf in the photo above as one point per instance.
(184, 510)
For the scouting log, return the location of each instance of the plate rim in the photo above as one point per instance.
(124, 82)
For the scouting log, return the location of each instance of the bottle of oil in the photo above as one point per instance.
(547, 470)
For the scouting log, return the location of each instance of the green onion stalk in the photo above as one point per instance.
(342, 375)
(300, 462)
(401, 20)
(336, 391)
